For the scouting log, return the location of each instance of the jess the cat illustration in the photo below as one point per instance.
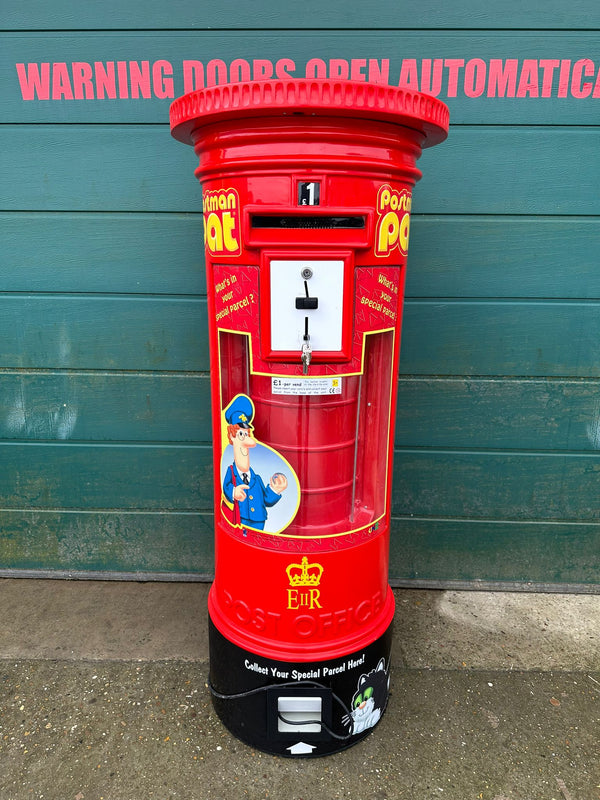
(370, 699)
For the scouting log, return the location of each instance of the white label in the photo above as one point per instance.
(306, 386)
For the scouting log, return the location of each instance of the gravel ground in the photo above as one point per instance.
(103, 696)
(113, 730)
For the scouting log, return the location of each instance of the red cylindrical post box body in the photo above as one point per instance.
(307, 190)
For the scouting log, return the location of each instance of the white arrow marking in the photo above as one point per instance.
(301, 749)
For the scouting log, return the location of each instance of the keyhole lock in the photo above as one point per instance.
(306, 273)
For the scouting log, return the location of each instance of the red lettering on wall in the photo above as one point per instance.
(431, 80)
(528, 80)
(105, 80)
(454, 65)
(450, 77)
(339, 69)
(502, 80)
(239, 70)
(357, 65)
(193, 76)
(216, 72)
(563, 78)
(61, 83)
(285, 68)
(162, 80)
(379, 72)
(262, 69)
(579, 89)
(140, 79)
(83, 85)
(548, 65)
(316, 68)
(408, 74)
(34, 79)
(122, 76)
(475, 73)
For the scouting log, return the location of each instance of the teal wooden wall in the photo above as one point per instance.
(104, 409)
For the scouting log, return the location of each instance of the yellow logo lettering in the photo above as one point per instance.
(222, 222)
(393, 224)
(303, 599)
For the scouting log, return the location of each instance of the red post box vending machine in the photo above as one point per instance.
(306, 201)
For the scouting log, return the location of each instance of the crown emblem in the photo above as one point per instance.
(304, 574)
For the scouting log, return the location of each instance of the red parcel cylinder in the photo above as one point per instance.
(307, 194)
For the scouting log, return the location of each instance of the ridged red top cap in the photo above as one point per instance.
(277, 98)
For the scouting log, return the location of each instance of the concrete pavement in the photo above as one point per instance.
(103, 697)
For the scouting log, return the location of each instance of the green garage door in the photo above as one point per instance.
(104, 404)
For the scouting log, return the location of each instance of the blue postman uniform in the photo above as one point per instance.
(253, 510)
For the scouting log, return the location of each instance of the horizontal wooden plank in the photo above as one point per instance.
(421, 550)
(103, 332)
(85, 477)
(487, 485)
(140, 168)
(491, 77)
(529, 339)
(507, 170)
(116, 253)
(493, 413)
(477, 338)
(107, 541)
(97, 168)
(111, 15)
(95, 406)
(432, 412)
(450, 256)
(497, 485)
(438, 550)
(471, 256)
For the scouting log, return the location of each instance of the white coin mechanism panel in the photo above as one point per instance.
(288, 323)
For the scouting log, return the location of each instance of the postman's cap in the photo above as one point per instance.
(240, 411)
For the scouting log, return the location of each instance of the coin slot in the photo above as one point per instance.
(307, 221)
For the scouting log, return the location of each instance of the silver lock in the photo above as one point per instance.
(306, 273)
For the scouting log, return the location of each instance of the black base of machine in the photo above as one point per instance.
(299, 709)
